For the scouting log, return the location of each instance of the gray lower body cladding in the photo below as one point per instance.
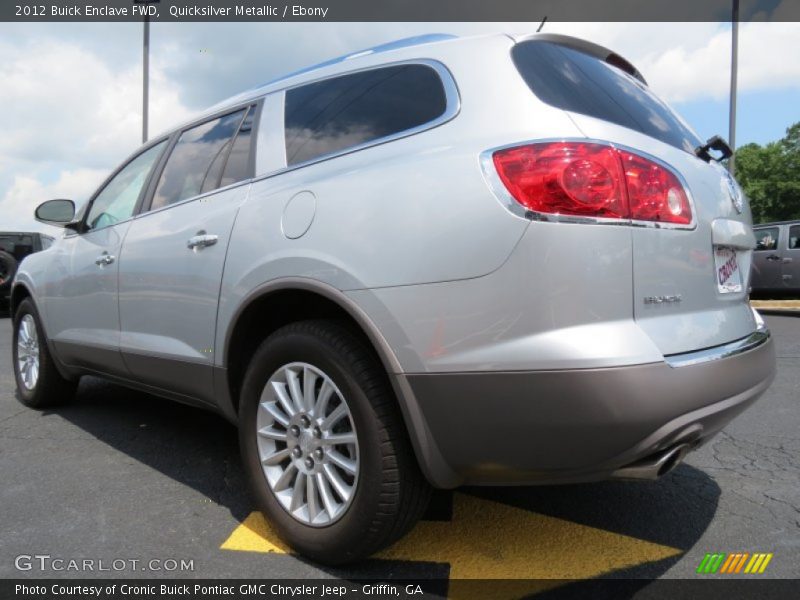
(542, 427)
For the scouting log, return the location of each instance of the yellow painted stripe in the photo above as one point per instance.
(255, 535)
(728, 562)
(741, 562)
(753, 566)
(491, 540)
(751, 563)
(764, 564)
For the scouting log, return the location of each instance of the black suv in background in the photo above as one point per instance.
(14, 246)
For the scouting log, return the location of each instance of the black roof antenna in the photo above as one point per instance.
(542, 24)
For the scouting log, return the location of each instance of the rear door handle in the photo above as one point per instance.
(104, 259)
(773, 257)
(201, 240)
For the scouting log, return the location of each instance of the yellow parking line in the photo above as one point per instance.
(490, 540)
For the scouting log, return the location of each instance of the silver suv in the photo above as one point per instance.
(494, 260)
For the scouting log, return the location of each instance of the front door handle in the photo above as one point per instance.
(773, 257)
(104, 259)
(201, 240)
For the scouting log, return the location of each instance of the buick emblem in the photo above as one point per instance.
(735, 192)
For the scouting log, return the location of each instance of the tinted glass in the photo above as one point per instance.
(237, 167)
(575, 81)
(794, 237)
(766, 239)
(118, 199)
(343, 112)
(196, 162)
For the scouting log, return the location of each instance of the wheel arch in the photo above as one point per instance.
(280, 302)
(18, 293)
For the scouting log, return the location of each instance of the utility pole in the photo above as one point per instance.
(734, 73)
(145, 76)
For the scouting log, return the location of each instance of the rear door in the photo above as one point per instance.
(174, 253)
(791, 259)
(767, 268)
(690, 282)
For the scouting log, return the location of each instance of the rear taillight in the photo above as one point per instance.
(592, 180)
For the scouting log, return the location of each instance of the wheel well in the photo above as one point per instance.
(18, 294)
(272, 311)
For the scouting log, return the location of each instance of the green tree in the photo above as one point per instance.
(770, 176)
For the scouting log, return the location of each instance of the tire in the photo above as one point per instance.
(388, 491)
(48, 388)
(8, 268)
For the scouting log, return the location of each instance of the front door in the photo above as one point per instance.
(766, 260)
(81, 295)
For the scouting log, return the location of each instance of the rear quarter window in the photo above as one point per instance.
(578, 82)
(343, 112)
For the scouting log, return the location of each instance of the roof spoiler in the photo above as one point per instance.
(589, 48)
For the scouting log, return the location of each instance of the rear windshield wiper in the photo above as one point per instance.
(714, 143)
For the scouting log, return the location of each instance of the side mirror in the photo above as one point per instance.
(56, 212)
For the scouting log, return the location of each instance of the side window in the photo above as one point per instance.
(237, 168)
(794, 237)
(343, 112)
(117, 201)
(766, 239)
(197, 161)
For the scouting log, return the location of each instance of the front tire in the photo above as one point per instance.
(39, 384)
(324, 444)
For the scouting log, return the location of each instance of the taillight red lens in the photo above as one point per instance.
(592, 180)
(654, 193)
(568, 178)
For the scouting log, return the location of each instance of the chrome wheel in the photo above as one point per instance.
(307, 444)
(28, 352)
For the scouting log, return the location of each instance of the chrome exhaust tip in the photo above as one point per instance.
(655, 466)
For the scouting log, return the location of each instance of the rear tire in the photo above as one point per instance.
(39, 384)
(387, 491)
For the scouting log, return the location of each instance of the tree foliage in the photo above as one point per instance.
(770, 176)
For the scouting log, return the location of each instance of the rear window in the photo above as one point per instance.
(575, 81)
(344, 112)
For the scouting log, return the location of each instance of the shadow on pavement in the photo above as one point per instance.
(200, 449)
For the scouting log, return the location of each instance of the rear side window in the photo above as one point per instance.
(575, 81)
(238, 167)
(766, 239)
(794, 237)
(197, 161)
(344, 112)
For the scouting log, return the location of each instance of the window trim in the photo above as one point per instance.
(145, 207)
(87, 207)
(451, 110)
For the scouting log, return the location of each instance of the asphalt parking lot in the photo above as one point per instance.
(123, 475)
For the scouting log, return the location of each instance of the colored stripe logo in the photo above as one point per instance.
(734, 563)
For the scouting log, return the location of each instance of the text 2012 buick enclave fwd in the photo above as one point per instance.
(443, 261)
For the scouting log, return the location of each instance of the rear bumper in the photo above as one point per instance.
(499, 428)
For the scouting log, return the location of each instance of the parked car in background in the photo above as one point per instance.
(14, 246)
(491, 260)
(776, 259)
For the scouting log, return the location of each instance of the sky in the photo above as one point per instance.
(70, 93)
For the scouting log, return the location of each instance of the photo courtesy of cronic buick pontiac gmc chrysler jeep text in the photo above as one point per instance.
(442, 261)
